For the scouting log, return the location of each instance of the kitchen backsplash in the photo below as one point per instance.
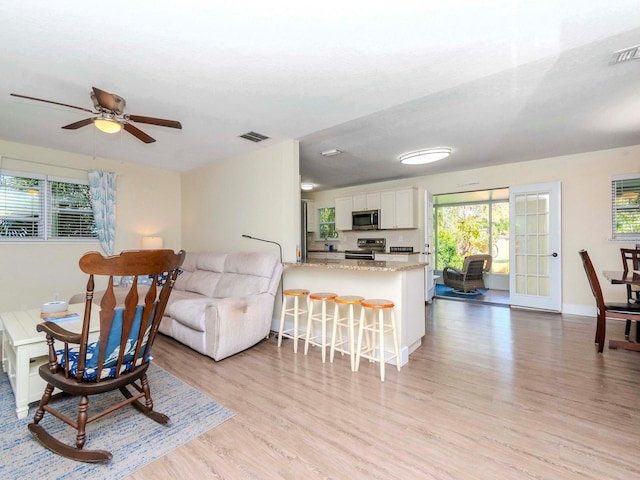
(349, 240)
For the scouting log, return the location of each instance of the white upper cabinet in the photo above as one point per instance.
(344, 207)
(366, 201)
(398, 209)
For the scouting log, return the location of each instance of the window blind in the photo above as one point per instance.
(39, 207)
(21, 206)
(625, 201)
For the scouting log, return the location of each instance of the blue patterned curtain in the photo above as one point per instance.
(102, 186)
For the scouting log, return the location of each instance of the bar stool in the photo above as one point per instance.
(294, 311)
(378, 327)
(347, 322)
(322, 317)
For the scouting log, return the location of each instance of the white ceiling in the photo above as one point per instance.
(498, 81)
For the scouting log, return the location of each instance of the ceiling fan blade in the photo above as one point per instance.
(136, 132)
(49, 101)
(81, 123)
(105, 99)
(155, 121)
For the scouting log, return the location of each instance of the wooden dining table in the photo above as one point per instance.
(620, 277)
(623, 278)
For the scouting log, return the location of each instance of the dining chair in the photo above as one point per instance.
(624, 311)
(631, 258)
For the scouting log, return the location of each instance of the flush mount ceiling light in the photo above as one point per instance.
(425, 156)
(331, 153)
(306, 186)
(107, 125)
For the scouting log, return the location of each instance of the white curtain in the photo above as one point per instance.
(102, 186)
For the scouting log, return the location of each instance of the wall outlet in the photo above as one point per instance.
(401, 238)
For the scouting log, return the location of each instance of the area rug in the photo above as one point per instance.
(132, 438)
(444, 291)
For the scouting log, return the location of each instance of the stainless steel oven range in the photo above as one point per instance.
(366, 249)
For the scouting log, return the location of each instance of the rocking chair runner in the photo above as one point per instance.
(121, 355)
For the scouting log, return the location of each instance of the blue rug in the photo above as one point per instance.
(444, 292)
(132, 438)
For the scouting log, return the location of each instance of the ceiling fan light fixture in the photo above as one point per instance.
(421, 157)
(107, 125)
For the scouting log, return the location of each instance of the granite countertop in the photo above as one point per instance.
(361, 265)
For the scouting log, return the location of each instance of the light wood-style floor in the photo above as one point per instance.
(493, 393)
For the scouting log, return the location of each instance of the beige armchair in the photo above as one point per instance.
(471, 277)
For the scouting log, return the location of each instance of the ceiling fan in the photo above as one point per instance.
(111, 117)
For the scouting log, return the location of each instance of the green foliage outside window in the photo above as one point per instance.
(463, 230)
(327, 222)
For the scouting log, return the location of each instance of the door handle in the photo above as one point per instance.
(554, 254)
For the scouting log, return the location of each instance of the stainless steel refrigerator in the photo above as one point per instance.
(303, 229)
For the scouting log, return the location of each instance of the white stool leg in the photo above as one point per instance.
(381, 346)
(309, 326)
(395, 338)
(359, 347)
(296, 325)
(284, 310)
(324, 329)
(352, 345)
(334, 332)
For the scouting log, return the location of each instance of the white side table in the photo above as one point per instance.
(24, 350)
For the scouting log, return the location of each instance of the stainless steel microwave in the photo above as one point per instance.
(365, 220)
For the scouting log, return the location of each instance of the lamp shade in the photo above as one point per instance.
(152, 243)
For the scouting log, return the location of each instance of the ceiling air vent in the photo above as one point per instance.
(254, 137)
(625, 55)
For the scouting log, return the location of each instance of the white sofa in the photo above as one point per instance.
(221, 303)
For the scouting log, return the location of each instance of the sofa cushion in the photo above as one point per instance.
(245, 274)
(190, 312)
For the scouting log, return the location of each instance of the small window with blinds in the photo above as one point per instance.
(36, 207)
(625, 198)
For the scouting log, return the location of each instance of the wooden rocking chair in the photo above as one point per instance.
(121, 355)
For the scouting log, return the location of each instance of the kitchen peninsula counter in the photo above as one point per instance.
(400, 282)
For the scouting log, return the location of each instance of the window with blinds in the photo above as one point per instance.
(625, 200)
(36, 207)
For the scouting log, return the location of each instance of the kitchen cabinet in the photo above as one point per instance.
(344, 207)
(398, 208)
(366, 201)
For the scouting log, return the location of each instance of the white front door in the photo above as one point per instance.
(536, 275)
(428, 246)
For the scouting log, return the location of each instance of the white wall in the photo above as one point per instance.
(148, 203)
(586, 208)
(256, 194)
